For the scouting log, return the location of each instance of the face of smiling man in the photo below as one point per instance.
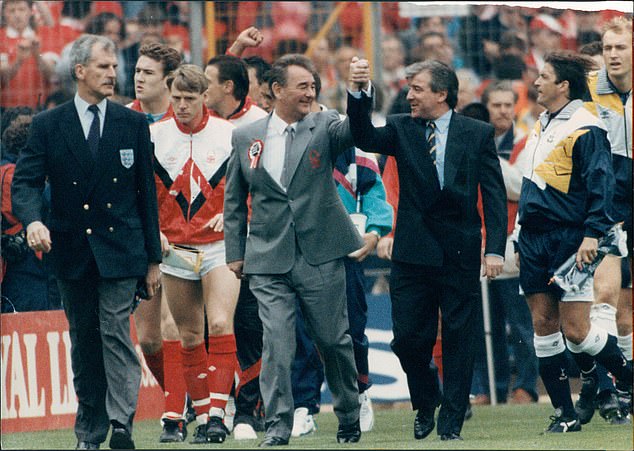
(294, 100)
(424, 102)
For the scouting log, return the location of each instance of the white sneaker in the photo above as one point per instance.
(244, 431)
(366, 414)
(230, 413)
(303, 422)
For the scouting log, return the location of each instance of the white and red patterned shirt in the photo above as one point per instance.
(190, 167)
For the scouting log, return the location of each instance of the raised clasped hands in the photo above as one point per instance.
(359, 77)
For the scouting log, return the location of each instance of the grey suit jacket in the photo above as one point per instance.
(309, 214)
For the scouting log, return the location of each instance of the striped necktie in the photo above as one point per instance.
(431, 140)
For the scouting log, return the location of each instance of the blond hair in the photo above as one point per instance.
(188, 77)
(618, 25)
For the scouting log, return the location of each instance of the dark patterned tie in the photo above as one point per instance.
(431, 140)
(93, 134)
(290, 135)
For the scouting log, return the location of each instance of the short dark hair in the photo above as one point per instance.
(170, 58)
(587, 36)
(97, 24)
(151, 14)
(511, 39)
(15, 136)
(509, 67)
(279, 71)
(572, 68)
(317, 78)
(443, 78)
(592, 48)
(234, 69)
(259, 64)
(495, 86)
(476, 110)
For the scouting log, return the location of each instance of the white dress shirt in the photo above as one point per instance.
(86, 117)
(275, 147)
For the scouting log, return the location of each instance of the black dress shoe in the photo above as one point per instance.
(273, 441)
(86, 445)
(121, 439)
(424, 423)
(349, 433)
(450, 436)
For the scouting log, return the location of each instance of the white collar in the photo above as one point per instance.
(82, 106)
(278, 124)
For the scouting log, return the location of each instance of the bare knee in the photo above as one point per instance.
(576, 329)
(545, 325)
(219, 326)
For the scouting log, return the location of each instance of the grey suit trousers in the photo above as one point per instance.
(321, 291)
(106, 368)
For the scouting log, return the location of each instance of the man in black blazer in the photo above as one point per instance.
(101, 237)
(444, 160)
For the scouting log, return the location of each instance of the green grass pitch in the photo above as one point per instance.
(503, 427)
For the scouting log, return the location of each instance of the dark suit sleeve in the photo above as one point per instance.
(383, 140)
(30, 175)
(146, 188)
(235, 207)
(493, 196)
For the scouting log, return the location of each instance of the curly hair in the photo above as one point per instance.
(15, 136)
(167, 56)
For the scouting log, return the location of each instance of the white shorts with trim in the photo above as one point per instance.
(213, 257)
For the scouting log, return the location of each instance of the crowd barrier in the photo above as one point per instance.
(37, 380)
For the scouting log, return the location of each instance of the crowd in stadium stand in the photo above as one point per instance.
(496, 51)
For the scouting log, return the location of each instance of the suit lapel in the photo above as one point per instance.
(302, 137)
(415, 131)
(260, 134)
(75, 139)
(454, 149)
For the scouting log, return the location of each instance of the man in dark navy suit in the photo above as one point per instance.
(444, 160)
(101, 237)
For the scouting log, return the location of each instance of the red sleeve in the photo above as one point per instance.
(390, 181)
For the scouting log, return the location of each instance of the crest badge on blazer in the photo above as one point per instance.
(314, 156)
(127, 157)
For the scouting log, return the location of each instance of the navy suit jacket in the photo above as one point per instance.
(104, 209)
(438, 227)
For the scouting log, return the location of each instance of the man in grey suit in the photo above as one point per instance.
(294, 244)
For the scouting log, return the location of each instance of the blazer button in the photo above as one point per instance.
(108, 205)
(88, 231)
(110, 229)
(86, 207)
(74, 183)
(114, 180)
